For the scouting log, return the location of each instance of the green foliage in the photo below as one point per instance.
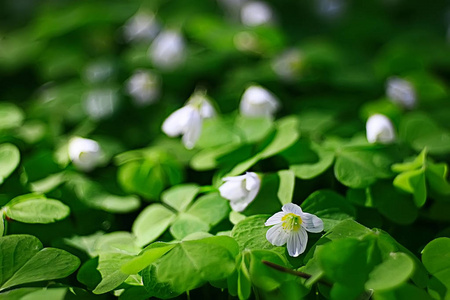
(145, 217)
(24, 261)
(9, 159)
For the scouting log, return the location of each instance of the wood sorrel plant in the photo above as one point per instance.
(229, 150)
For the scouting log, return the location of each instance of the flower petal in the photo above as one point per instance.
(296, 243)
(312, 223)
(275, 219)
(252, 181)
(277, 235)
(175, 124)
(233, 190)
(292, 208)
(239, 205)
(192, 130)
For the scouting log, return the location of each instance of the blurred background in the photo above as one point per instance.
(114, 70)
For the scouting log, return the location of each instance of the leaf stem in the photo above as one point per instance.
(293, 272)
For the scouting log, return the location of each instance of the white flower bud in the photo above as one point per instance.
(240, 190)
(379, 129)
(188, 120)
(168, 50)
(258, 102)
(256, 13)
(84, 153)
(401, 92)
(144, 87)
(141, 27)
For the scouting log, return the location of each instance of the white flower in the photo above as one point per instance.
(141, 27)
(168, 50)
(84, 153)
(258, 102)
(188, 120)
(240, 190)
(401, 92)
(256, 13)
(379, 129)
(288, 64)
(291, 225)
(144, 87)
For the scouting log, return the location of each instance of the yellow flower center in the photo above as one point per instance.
(291, 222)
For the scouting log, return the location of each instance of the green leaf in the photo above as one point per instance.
(210, 208)
(244, 284)
(9, 160)
(286, 134)
(114, 203)
(421, 131)
(192, 263)
(254, 129)
(413, 182)
(309, 170)
(436, 258)
(217, 132)
(11, 116)
(361, 168)
(109, 266)
(185, 224)
(436, 175)
(331, 207)
(417, 163)
(33, 208)
(210, 158)
(244, 166)
(405, 292)
(24, 261)
(154, 287)
(347, 262)
(180, 196)
(391, 273)
(144, 178)
(262, 277)
(148, 256)
(286, 187)
(151, 223)
(250, 233)
(393, 204)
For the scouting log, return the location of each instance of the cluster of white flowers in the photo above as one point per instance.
(167, 51)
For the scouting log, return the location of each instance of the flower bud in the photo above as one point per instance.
(379, 129)
(240, 190)
(167, 51)
(188, 120)
(141, 27)
(258, 102)
(401, 92)
(255, 13)
(84, 153)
